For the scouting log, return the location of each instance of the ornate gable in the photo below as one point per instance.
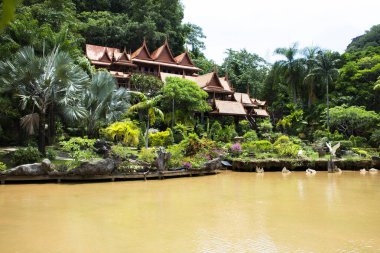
(163, 54)
(142, 53)
(184, 59)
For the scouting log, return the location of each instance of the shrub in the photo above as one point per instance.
(285, 147)
(250, 136)
(244, 127)
(121, 151)
(147, 155)
(344, 145)
(191, 144)
(358, 141)
(26, 155)
(319, 134)
(257, 146)
(227, 134)
(180, 132)
(3, 167)
(79, 148)
(264, 126)
(361, 152)
(51, 154)
(177, 155)
(375, 138)
(215, 130)
(164, 138)
(125, 131)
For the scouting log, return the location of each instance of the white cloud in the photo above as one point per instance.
(261, 26)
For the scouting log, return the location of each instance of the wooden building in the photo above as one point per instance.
(161, 63)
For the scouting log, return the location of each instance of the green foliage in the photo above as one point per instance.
(353, 120)
(164, 138)
(358, 141)
(371, 38)
(375, 138)
(264, 127)
(79, 148)
(3, 167)
(242, 68)
(293, 123)
(257, 146)
(180, 132)
(227, 134)
(51, 154)
(177, 155)
(319, 134)
(121, 151)
(147, 155)
(250, 136)
(26, 155)
(361, 152)
(244, 127)
(146, 84)
(104, 102)
(285, 147)
(188, 98)
(191, 144)
(215, 130)
(125, 131)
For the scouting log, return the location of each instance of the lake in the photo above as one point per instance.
(228, 212)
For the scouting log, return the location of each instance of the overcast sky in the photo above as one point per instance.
(260, 26)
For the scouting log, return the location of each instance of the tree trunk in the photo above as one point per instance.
(41, 133)
(147, 133)
(328, 110)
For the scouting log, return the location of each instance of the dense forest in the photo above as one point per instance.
(295, 87)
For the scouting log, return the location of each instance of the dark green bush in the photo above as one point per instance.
(250, 136)
(257, 146)
(51, 154)
(26, 155)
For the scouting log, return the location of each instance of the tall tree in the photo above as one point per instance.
(291, 68)
(245, 70)
(104, 102)
(325, 69)
(310, 81)
(42, 81)
(148, 108)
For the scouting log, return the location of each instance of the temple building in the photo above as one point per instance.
(161, 63)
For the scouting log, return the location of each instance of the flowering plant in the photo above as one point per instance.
(187, 165)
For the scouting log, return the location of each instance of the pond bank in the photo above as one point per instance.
(112, 178)
(302, 164)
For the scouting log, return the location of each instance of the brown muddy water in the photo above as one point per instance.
(229, 212)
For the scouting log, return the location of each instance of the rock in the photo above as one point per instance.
(46, 165)
(162, 159)
(100, 167)
(259, 170)
(311, 172)
(214, 164)
(102, 147)
(285, 171)
(34, 169)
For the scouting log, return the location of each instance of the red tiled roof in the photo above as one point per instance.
(98, 54)
(142, 53)
(229, 108)
(261, 112)
(184, 59)
(163, 54)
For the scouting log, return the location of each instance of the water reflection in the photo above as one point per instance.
(230, 212)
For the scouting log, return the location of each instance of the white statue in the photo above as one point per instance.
(333, 149)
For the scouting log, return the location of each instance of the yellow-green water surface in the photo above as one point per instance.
(229, 212)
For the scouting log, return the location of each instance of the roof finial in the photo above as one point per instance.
(215, 69)
(248, 89)
(144, 41)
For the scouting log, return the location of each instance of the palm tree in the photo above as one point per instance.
(310, 54)
(42, 81)
(148, 108)
(325, 70)
(103, 101)
(291, 68)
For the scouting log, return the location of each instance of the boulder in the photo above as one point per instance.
(214, 164)
(34, 169)
(102, 147)
(47, 166)
(163, 158)
(100, 167)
